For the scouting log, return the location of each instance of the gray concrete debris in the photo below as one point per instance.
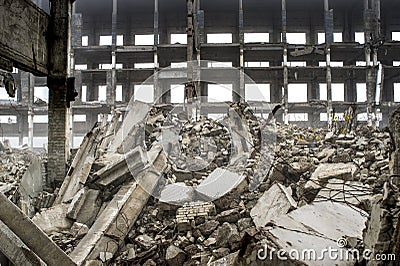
(324, 172)
(78, 230)
(272, 204)
(351, 192)
(53, 219)
(320, 189)
(218, 183)
(15, 250)
(77, 203)
(319, 226)
(175, 256)
(177, 194)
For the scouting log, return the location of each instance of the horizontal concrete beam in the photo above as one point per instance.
(23, 38)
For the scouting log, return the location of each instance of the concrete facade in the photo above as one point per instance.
(370, 60)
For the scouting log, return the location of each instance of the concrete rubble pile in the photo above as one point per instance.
(23, 178)
(321, 187)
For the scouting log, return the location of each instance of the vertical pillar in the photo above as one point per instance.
(328, 15)
(285, 66)
(189, 87)
(27, 91)
(241, 59)
(112, 75)
(157, 88)
(372, 32)
(59, 30)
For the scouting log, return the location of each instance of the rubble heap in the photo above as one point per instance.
(321, 187)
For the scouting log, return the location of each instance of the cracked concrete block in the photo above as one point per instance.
(53, 219)
(218, 183)
(374, 227)
(324, 172)
(317, 227)
(177, 194)
(351, 192)
(273, 203)
(90, 208)
(77, 203)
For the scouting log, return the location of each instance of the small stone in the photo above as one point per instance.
(208, 227)
(105, 256)
(78, 230)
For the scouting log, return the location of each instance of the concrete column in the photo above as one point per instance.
(285, 67)
(60, 19)
(157, 87)
(328, 40)
(112, 75)
(241, 53)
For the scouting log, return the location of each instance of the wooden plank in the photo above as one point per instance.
(23, 38)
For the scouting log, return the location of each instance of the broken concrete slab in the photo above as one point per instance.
(53, 219)
(218, 183)
(330, 219)
(76, 203)
(15, 250)
(317, 227)
(351, 192)
(177, 194)
(274, 202)
(31, 235)
(125, 138)
(374, 230)
(326, 171)
(116, 172)
(80, 167)
(124, 209)
(90, 207)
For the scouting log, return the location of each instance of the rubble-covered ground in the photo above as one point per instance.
(14, 163)
(323, 189)
(307, 162)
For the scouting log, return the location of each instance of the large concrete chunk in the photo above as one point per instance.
(126, 136)
(318, 226)
(80, 167)
(274, 202)
(90, 207)
(218, 183)
(177, 194)
(76, 203)
(29, 233)
(124, 208)
(53, 219)
(15, 250)
(324, 172)
(175, 256)
(116, 172)
(352, 192)
(330, 219)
